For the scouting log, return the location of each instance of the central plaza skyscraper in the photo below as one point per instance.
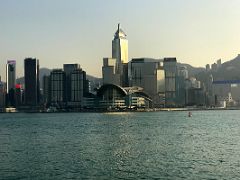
(120, 53)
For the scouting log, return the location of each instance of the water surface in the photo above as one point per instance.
(157, 145)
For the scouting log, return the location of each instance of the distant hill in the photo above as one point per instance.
(192, 71)
(229, 70)
(45, 71)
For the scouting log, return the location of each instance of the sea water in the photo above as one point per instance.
(146, 145)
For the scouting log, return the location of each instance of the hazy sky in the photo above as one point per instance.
(80, 31)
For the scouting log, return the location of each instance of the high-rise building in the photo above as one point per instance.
(120, 53)
(209, 91)
(86, 85)
(68, 69)
(170, 68)
(58, 81)
(67, 86)
(214, 67)
(31, 75)
(2, 95)
(149, 74)
(77, 87)
(19, 95)
(46, 89)
(183, 72)
(208, 67)
(11, 82)
(110, 76)
(181, 86)
(219, 63)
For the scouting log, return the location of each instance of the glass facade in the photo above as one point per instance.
(32, 87)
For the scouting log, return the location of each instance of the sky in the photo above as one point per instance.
(197, 32)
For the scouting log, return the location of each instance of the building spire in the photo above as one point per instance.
(119, 33)
(118, 27)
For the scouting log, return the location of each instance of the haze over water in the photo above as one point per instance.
(160, 145)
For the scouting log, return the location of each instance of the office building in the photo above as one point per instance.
(210, 100)
(2, 95)
(120, 53)
(192, 83)
(219, 63)
(57, 88)
(19, 95)
(77, 88)
(195, 97)
(86, 84)
(181, 86)
(68, 69)
(46, 89)
(149, 74)
(208, 67)
(67, 87)
(109, 73)
(214, 67)
(183, 72)
(31, 75)
(170, 68)
(11, 82)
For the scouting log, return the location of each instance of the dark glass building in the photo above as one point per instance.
(68, 69)
(31, 75)
(170, 68)
(11, 82)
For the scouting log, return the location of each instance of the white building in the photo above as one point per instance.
(183, 72)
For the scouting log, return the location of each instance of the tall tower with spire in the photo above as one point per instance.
(120, 53)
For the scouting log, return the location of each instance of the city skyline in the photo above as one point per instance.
(59, 32)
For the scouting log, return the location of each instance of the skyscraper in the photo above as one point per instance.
(170, 68)
(46, 89)
(77, 90)
(68, 69)
(120, 53)
(58, 80)
(11, 82)
(149, 74)
(2, 95)
(31, 75)
(109, 72)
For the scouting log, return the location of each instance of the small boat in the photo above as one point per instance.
(189, 114)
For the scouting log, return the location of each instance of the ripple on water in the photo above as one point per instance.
(160, 145)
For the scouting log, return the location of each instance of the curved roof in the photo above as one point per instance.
(112, 86)
(123, 91)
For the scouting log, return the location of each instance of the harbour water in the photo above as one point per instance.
(156, 145)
